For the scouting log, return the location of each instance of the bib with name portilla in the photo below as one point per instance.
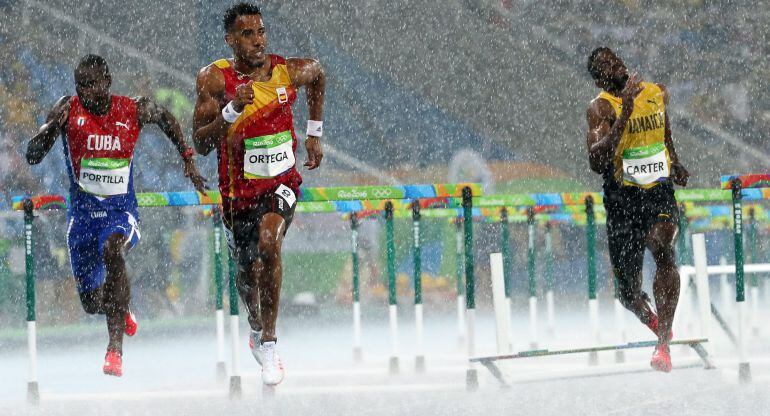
(258, 153)
(642, 159)
(99, 151)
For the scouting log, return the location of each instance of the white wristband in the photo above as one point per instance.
(315, 128)
(229, 113)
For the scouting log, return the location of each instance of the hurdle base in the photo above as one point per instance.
(744, 373)
(235, 387)
(620, 357)
(488, 361)
(593, 358)
(419, 364)
(358, 355)
(461, 343)
(393, 366)
(268, 390)
(471, 379)
(221, 371)
(33, 393)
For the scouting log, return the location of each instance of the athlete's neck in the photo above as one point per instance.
(259, 70)
(98, 109)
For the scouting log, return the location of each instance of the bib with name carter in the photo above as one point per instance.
(99, 151)
(642, 158)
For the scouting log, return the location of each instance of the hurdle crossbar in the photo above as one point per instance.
(489, 361)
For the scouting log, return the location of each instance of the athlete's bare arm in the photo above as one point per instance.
(209, 127)
(149, 112)
(55, 123)
(679, 174)
(310, 74)
(604, 129)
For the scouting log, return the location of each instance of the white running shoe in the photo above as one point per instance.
(272, 367)
(254, 340)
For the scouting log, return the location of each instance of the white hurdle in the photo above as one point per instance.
(459, 284)
(499, 302)
(702, 284)
(724, 289)
(620, 326)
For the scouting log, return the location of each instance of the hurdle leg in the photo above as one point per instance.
(393, 365)
(220, 322)
(498, 300)
(620, 325)
(593, 311)
(419, 363)
(725, 291)
(754, 310)
(533, 322)
(496, 373)
(702, 284)
(357, 351)
(33, 391)
(551, 313)
(704, 356)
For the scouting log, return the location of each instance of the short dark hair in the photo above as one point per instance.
(240, 9)
(592, 68)
(93, 61)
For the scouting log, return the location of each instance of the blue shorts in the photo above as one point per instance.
(86, 234)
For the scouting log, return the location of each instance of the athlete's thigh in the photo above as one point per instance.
(85, 256)
(93, 300)
(283, 202)
(121, 228)
(279, 213)
(242, 234)
(626, 246)
(661, 220)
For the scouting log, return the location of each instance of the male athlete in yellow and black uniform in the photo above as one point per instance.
(629, 144)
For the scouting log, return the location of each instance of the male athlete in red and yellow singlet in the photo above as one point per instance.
(243, 110)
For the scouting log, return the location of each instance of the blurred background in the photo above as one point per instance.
(418, 91)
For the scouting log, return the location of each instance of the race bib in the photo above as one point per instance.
(287, 194)
(104, 176)
(268, 156)
(645, 165)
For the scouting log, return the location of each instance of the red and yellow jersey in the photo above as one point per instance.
(258, 153)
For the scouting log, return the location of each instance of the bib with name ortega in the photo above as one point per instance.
(642, 158)
(258, 153)
(99, 149)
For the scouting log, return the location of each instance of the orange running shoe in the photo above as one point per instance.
(661, 359)
(653, 325)
(113, 363)
(131, 324)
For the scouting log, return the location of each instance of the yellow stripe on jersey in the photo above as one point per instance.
(267, 94)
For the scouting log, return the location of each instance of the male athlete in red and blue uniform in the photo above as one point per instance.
(244, 112)
(99, 133)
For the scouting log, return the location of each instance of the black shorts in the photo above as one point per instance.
(631, 213)
(242, 228)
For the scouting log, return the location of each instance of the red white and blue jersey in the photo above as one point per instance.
(99, 152)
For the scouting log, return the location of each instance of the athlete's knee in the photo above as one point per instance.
(113, 248)
(662, 253)
(244, 280)
(270, 242)
(629, 295)
(92, 302)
